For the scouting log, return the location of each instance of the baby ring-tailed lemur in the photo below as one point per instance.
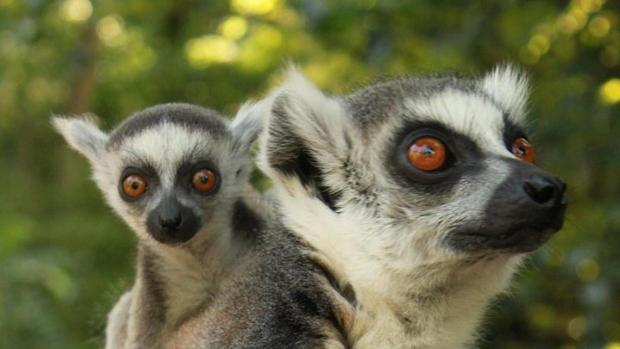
(214, 269)
(421, 193)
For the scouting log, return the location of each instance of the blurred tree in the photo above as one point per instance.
(65, 257)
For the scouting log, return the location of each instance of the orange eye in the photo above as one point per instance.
(522, 149)
(134, 186)
(427, 153)
(204, 180)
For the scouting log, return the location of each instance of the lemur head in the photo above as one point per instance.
(441, 165)
(171, 171)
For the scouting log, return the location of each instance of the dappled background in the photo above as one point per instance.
(64, 256)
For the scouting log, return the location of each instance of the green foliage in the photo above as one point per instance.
(65, 257)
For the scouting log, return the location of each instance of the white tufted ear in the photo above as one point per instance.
(509, 87)
(306, 138)
(82, 135)
(247, 124)
(303, 124)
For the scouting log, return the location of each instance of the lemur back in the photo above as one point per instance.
(214, 268)
(276, 298)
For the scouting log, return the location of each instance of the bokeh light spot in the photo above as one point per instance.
(110, 29)
(576, 327)
(268, 37)
(539, 43)
(599, 26)
(610, 91)
(253, 7)
(529, 55)
(568, 24)
(210, 49)
(233, 28)
(262, 45)
(580, 17)
(76, 10)
(587, 270)
(6, 3)
(613, 345)
(589, 5)
(542, 316)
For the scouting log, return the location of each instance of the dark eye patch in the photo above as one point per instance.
(464, 158)
(143, 170)
(512, 131)
(187, 169)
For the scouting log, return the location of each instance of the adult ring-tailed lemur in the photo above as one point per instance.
(420, 193)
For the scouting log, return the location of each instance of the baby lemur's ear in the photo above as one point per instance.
(83, 135)
(307, 136)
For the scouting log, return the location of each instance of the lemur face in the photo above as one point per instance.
(441, 162)
(460, 162)
(171, 171)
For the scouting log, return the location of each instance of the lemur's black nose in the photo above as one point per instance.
(170, 216)
(545, 190)
(171, 222)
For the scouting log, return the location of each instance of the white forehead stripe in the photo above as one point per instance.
(468, 114)
(165, 146)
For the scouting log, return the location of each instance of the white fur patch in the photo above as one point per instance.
(467, 114)
(83, 135)
(321, 121)
(509, 87)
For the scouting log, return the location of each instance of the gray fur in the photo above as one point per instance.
(243, 280)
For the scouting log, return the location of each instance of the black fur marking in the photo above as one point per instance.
(346, 291)
(186, 115)
(512, 131)
(288, 154)
(246, 223)
(513, 222)
(464, 159)
(305, 303)
(154, 296)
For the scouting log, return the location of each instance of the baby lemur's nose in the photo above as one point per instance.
(170, 215)
(171, 221)
(545, 190)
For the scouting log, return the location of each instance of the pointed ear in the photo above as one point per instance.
(247, 124)
(82, 135)
(509, 87)
(307, 135)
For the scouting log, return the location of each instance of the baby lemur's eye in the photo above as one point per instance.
(427, 153)
(204, 180)
(523, 149)
(134, 186)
